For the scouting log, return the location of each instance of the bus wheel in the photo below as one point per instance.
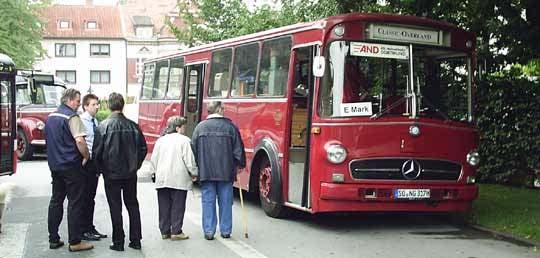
(270, 207)
(24, 148)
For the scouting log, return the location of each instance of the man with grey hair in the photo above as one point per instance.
(67, 153)
(219, 152)
(173, 164)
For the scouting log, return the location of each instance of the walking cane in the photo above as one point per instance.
(244, 218)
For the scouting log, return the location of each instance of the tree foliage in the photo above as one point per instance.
(20, 31)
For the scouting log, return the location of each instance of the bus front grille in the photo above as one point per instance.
(405, 169)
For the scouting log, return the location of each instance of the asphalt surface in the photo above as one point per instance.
(301, 235)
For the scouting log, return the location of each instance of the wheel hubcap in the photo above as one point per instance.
(265, 177)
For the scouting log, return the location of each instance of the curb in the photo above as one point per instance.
(506, 236)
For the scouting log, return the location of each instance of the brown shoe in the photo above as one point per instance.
(82, 246)
(181, 236)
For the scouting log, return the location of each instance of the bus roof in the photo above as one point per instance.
(323, 24)
(6, 60)
(6, 64)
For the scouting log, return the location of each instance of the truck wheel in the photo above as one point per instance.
(24, 148)
(270, 207)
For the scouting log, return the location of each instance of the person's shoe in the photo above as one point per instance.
(208, 237)
(95, 232)
(117, 247)
(135, 245)
(180, 236)
(225, 235)
(166, 236)
(56, 245)
(82, 246)
(88, 236)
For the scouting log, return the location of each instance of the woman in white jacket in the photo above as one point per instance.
(175, 170)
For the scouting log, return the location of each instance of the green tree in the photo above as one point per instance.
(20, 31)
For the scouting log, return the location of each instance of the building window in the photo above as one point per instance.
(100, 49)
(65, 50)
(101, 77)
(144, 32)
(68, 76)
(64, 24)
(91, 25)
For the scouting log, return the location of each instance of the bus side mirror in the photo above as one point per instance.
(318, 66)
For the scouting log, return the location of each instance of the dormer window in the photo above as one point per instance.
(64, 24)
(92, 25)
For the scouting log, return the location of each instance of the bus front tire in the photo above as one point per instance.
(24, 148)
(271, 208)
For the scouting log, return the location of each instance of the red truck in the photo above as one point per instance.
(38, 94)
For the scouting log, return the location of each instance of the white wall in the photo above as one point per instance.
(83, 63)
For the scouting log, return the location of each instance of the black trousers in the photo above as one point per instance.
(68, 183)
(91, 177)
(126, 189)
(172, 205)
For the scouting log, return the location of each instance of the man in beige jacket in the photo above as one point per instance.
(175, 170)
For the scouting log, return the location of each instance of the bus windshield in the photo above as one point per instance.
(366, 79)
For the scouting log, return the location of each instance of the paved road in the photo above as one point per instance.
(302, 235)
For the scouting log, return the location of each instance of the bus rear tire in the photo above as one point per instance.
(271, 208)
(25, 151)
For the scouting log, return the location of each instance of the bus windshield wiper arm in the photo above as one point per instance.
(426, 100)
(384, 111)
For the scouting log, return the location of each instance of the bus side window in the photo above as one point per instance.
(274, 69)
(219, 74)
(162, 75)
(245, 69)
(148, 82)
(176, 78)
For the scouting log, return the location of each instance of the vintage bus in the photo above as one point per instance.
(356, 112)
(38, 94)
(8, 160)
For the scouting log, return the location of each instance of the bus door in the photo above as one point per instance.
(300, 127)
(193, 96)
(7, 118)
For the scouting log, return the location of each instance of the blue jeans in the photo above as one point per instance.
(224, 192)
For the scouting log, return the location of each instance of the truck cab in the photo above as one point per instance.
(37, 95)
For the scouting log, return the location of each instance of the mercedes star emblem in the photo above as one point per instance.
(411, 169)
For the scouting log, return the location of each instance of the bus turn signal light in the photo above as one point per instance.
(315, 130)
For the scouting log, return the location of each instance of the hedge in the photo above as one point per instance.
(509, 123)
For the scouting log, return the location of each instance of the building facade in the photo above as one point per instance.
(86, 47)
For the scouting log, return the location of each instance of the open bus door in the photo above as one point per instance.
(299, 147)
(192, 96)
(7, 115)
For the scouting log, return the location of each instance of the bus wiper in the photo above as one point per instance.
(384, 111)
(446, 118)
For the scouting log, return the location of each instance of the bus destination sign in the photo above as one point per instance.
(379, 50)
(403, 34)
(356, 109)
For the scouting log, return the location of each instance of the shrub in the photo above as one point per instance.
(509, 124)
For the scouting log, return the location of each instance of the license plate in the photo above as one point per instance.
(412, 193)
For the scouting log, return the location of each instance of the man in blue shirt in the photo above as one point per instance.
(91, 173)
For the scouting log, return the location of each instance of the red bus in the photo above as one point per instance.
(38, 94)
(356, 112)
(8, 159)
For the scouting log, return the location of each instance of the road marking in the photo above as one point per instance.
(12, 239)
(239, 247)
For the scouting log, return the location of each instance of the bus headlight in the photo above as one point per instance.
(473, 158)
(336, 153)
(40, 125)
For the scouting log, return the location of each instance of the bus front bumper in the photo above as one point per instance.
(379, 197)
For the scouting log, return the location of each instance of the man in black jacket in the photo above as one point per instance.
(219, 152)
(119, 152)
